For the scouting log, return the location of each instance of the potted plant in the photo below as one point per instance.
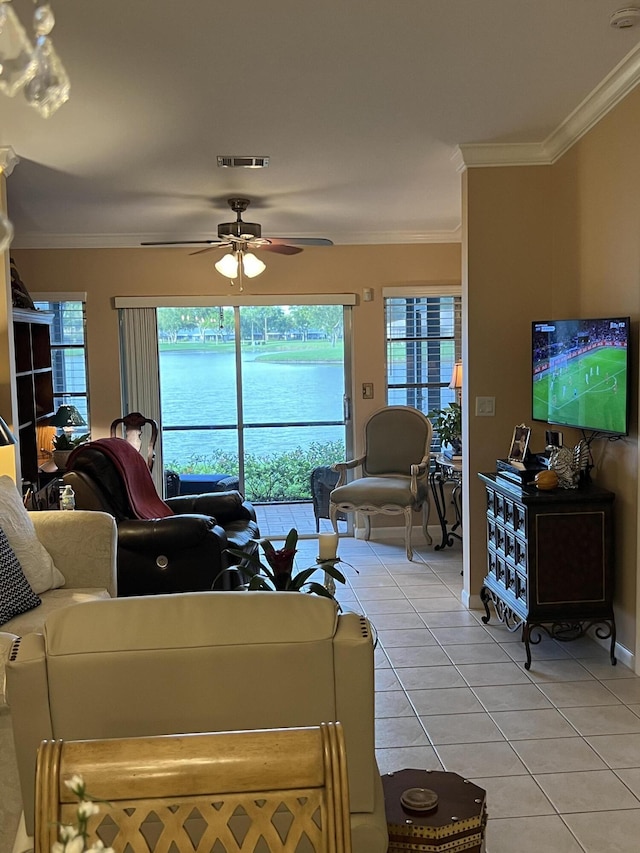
(278, 572)
(448, 424)
(63, 445)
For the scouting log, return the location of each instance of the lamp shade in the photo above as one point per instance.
(228, 265)
(6, 436)
(456, 376)
(68, 416)
(251, 265)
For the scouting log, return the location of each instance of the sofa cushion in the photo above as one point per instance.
(52, 601)
(36, 562)
(16, 595)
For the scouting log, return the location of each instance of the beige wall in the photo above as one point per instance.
(552, 241)
(106, 273)
(597, 260)
(506, 284)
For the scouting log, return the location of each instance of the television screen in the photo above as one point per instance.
(580, 373)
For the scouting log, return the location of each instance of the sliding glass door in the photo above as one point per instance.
(253, 392)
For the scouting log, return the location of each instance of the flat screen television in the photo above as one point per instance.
(580, 373)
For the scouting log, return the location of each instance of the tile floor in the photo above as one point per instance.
(557, 748)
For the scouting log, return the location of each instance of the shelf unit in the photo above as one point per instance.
(34, 383)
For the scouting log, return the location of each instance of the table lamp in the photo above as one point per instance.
(456, 380)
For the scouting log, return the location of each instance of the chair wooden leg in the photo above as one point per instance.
(333, 517)
(426, 511)
(408, 519)
(367, 526)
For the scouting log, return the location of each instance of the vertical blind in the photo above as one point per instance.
(141, 373)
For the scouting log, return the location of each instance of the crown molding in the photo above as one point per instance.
(601, 100)
(133, 241)
(500, 154)
(8, 160)
(607, 94)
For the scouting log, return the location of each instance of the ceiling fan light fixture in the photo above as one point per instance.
(228, 265)
(252, 265)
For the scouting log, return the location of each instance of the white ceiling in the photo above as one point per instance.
(360, 104)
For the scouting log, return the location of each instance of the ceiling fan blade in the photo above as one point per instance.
(182, 243)
(303, 241)
(209, 249)
(279, 249)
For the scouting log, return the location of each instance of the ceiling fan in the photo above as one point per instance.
(243, 236)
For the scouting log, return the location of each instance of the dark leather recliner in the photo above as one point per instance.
(163, 547)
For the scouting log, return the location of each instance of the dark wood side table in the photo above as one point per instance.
(550, 561)
(455, 823)
(445, 471)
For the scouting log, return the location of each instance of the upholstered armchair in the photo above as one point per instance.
(201, 662)
(173, 546)
(395, 471)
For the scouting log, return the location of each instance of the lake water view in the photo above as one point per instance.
(198, 388)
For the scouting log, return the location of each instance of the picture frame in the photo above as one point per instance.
(553, 438)
(519, 444)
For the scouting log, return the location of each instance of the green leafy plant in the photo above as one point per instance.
(448, 423)
(278, 574)
(270, 477)
(64, 442)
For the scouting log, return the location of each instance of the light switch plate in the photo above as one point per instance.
(486, 406)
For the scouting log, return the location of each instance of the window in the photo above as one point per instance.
(68, 352)
(423, 344)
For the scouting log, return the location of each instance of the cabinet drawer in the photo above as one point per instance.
(520, 554)
(496, 565)
(495, 535)
(519, 519)
(521, 587)
(510, 545)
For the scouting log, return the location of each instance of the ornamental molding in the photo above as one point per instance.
(607, 94)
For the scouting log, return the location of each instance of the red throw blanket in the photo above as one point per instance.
(143, 497)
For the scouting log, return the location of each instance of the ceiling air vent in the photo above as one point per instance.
(243, 162)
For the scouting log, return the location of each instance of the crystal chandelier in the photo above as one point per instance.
(36, 71)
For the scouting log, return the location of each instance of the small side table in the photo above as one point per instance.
(447, 471)
(456, 823)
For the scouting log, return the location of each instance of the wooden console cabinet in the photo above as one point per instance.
(34, 383)
(550, 560)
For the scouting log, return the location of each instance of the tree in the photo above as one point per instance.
(257, 322)
(170, 322)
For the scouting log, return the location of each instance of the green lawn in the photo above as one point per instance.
(273, 351)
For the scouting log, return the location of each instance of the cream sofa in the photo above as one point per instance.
(83, 547)
(198, 662)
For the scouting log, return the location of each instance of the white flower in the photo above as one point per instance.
(86, 808)
(57, 847)
(68, 832)
(98, 847)
(75, 784)
(75, 846)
